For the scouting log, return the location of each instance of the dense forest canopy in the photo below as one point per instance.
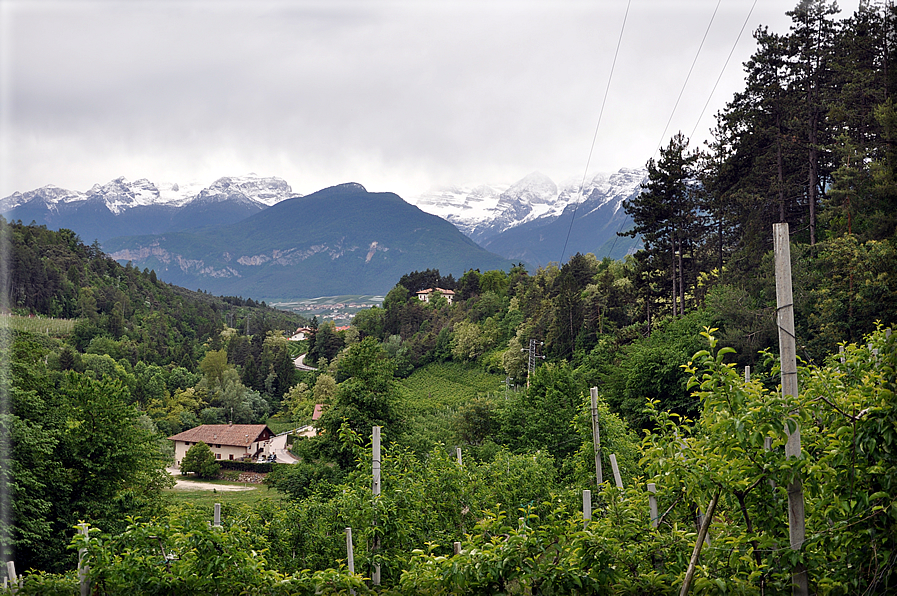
(664, 335)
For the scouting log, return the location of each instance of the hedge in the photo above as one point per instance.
(245, 466)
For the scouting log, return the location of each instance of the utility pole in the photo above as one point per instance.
(507, 384)
(788, 355)
(533, 351)
(375, 466)
(596, 436)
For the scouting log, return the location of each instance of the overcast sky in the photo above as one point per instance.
(398, 96)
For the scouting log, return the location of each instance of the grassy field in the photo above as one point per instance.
(451, 384)
(207, 498)
(40, 324)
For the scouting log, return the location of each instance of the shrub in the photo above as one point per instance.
(200, 460)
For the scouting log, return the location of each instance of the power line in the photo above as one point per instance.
(690, 70)
(597, 126)
(719, 78)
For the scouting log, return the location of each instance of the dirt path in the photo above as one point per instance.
(192, 485)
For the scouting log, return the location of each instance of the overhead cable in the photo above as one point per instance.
(597, 126)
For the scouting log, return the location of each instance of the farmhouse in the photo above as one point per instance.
(425, 294)
(301, 333)
(227, 441)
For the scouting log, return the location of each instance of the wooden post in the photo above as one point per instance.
(11, 575)
(596, 436)
(841, 352)
(788, 355)
(586, 508)
(375, 466)
(702, 535)
(350, 553)
(457, 548)
(652, 503)
(83, 569)
(375, 460)
(458, 455)
(217, 515)
(613, 465)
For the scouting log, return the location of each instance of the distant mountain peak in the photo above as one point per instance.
(485, 211)
(351, 186)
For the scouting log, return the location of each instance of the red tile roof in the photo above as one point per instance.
(319, 409)
(242, 435)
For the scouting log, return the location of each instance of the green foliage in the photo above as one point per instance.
(302, 479)
(204, 560)
(79, 451)
(650, 370)
(846, 482)
(47, 325)
(450, 384)
(200, 460)
(365, 397)
(541, 417)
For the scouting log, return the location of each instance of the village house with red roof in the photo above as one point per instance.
(227, 441)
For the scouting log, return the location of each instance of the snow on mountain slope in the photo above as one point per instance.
(120, 194)
(484, 211)
(267, 191)
(462, 206)
(50, 195)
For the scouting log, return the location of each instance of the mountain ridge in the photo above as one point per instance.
(121, 207)
(339, 240)
(504, 218)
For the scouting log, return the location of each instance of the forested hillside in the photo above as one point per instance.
(501, 367)
(136, 360)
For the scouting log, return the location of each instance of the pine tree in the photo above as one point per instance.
(666, 216)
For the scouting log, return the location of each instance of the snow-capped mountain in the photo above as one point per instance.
(486, 211)
(267, 191)
(122, 207)
(121, 194)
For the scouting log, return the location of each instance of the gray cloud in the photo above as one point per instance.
(395, 95)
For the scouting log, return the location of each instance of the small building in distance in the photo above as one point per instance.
(301, 333)
(227, 441)
(425, 294)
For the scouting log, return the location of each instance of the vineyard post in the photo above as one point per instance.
(83, 569)
(616, 469)
(458, 455)
(652, 503)
(217, 522)
(788, 355)
(586, 508)
(596, 436)
(11, 576)
(702, 535)
(375, 466)
(350, 553)
(457, 548)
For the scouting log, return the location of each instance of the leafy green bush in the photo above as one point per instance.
(200, 460)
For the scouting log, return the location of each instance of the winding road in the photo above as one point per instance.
(300, 363)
